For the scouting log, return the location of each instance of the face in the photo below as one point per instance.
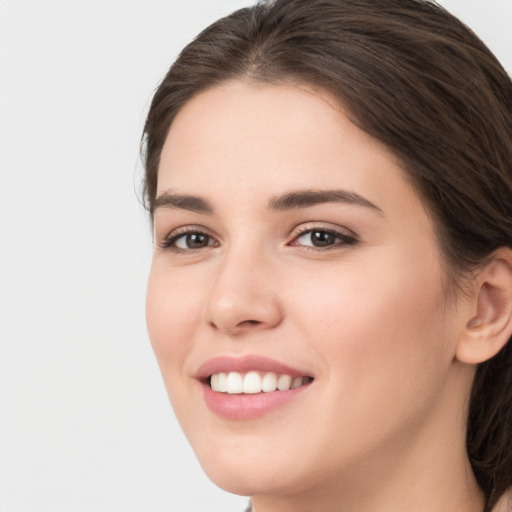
(291, 251)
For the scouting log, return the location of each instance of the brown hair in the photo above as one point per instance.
(417, 79)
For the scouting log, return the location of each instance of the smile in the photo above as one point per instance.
(254, 382)
(251, 386)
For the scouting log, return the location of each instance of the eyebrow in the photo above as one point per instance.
(306, 198)
(288, 201)
(196, 204)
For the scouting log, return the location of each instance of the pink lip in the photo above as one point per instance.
(245, 364)
(246, 406)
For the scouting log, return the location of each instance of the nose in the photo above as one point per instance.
(243, 297)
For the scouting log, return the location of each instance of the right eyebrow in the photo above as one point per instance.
(306, 198)
(196, 204)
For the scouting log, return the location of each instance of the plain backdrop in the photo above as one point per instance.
(85, 425)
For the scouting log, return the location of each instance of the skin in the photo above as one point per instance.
(382, 426)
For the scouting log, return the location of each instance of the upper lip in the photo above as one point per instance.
(243, 364)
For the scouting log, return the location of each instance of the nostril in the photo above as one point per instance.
(249, 322)
(237, 328)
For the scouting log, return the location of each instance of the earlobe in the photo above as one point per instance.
(490, 325)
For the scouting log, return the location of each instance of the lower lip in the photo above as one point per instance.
(247, 406)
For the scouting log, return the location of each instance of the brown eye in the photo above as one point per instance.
(192, 240)
(323, 239)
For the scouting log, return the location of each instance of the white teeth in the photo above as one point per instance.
(284, 382)
(297, 382)
(252, 382)
(269, 382)
(234, 383)
(218, 382)
(223, 377)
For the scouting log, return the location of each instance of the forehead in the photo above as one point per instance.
(243, 139)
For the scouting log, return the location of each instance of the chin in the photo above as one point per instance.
(248, 473)
(250, 481)
(248, 468)
(243, 484)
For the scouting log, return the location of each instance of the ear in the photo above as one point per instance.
(490, 325)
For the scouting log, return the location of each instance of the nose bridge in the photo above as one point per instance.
(242, 295)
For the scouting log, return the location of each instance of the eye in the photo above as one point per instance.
(188, 240)
(323, 239)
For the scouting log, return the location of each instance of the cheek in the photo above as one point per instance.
(172, 312)
(381, 332)
(356, 299)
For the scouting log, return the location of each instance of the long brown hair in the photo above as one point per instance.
(417, 79)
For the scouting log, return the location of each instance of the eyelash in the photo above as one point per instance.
(343, 239)
(169, 242)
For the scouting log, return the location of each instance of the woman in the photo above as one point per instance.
(330, 298)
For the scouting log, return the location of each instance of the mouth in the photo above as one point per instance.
(250, 386)
(254, 382)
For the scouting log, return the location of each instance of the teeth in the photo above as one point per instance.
(214, 382)
(253, 382)
(269, 382)
(223, 377)
(284, 383)
(297, 382)
(234, 383)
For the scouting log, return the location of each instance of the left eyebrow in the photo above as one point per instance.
(306, 198)
(168, 199)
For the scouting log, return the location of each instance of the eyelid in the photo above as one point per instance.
(321, 226)
(167, 242)
(347, 235)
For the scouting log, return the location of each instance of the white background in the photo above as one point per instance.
(84, 421)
